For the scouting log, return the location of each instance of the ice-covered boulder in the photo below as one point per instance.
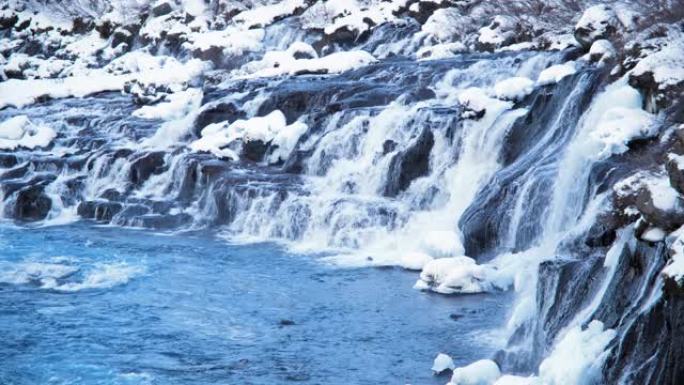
(653, 197)
(442, 363)
(501, 32)
(602, 51)
(597, 22)
(482, 372)
(455, 275)
(556, 73)
(515, 88)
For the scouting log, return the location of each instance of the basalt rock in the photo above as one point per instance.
(409, 164)
(145, 166)
(31, 203)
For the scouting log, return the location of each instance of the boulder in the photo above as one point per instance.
(145, 166)
(597, 22)
(409, 164)
(215, 113)
(31, 203)
(162, 8)
(254, 150)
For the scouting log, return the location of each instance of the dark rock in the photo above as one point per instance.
(215, 113)
(104, 28)
(122, 36)
(102, 211)
(82, 25)
(286, 322)
(409, 164)
(388, 146)
(254, 150)
(667, 220)
(161, 9)
(31, 203)
(675, 174)
(146, 165)
(7, 22)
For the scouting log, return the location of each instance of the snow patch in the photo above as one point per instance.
(442, 363)
(482, 372)
(514, 88)
(19, 131)
(455, 275)
(556, 73)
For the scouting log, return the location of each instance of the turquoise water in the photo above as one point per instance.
(101, 305)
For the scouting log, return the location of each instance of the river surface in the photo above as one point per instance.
(82, 304)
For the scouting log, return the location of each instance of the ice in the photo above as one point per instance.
(514, 88)
(482, 372)
(602, 50)
(619, 126)
(577, 358)
(442, 362)
(653, 234)
(441, 51)
(556, 73)
(19, 131)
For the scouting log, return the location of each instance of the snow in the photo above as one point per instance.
(445, 24)
(653, 234)
(482, 372)
(675, 267)
(176, 106)
(441, 51)
(475, 100)
(663, 195)
(517, 380)
(622, 121)
(667, 64)
(619, 126)
(514, 88)
(262, 16)
(496, 34)
(555, 73)
(577, 358)
(455, 275)
(271, 128)
(279, 63)
(414, 260)
(596, 20)
(377, 13)
(442, 362)
(19, 131)
(602, 50)
(442, 243)
(231, 41)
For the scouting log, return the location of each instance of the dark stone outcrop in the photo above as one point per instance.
(146, 165)
(409, 164)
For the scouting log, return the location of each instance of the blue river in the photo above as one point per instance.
(81, 304)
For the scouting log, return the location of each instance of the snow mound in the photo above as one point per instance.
(483, 372)
(442, 363)
(262, 16)
(441, 51)
(597, 22)
(514, 88)
(666, 64)
(675, 267)
(475, 103)
(556, 73)
(20, 132)
(455, 275)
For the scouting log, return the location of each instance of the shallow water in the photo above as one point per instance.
(100, 305)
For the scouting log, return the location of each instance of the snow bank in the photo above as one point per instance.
(230, 42)
(578, 356)
(514, 88)
(483, 372)
(19, 131)
(455, 275)
(271, 128)
(264, 15)
(555, 73)
(442, 363)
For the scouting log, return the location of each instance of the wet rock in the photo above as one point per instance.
(82, 25)
(668, 219)
(286, 322)
(254, 150)
(165, 222)
(409, 164)
(145, 166)
(31, 203)
(215, 113)
(388, 146)
(675, 171)
(122, 36)
(102, 211)
(423, 9)
(162, 8)
(8, 20)
(8, 160)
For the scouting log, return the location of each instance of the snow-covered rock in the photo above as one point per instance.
(20, 132)
(280, 63)
(674, 269)
(442, 363)
(597, 22)
(455, 275)
(482, 372)
(475, 102)
(514, 88)
(556, 73)
(501, 32)
(602, 51)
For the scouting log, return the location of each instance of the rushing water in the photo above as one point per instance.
(103, 305)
